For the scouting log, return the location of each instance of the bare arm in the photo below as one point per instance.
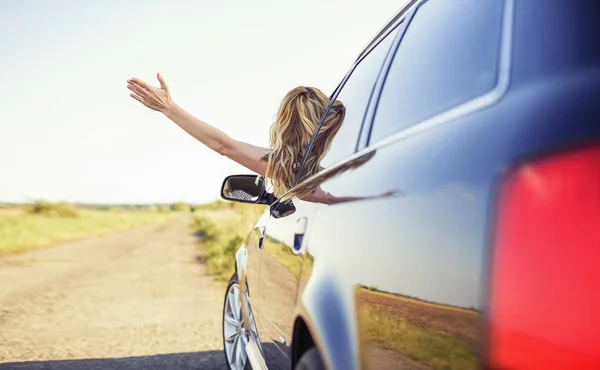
(159, 99)
(247, 155)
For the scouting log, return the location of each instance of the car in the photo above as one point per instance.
(467, 231)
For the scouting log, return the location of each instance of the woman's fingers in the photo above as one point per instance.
(138, 90)
(145, 94)
(137, 81)
(141, 87)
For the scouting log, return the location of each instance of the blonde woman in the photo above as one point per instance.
(296, 122)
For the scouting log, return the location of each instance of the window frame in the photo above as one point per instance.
(365, 131)
(480, 101)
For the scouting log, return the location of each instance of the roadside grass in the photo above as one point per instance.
(223, 227)
(43, 224)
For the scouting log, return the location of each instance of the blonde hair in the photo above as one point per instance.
(297, 119)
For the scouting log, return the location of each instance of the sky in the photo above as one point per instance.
(70, 132)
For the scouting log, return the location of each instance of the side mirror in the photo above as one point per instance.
(246, 189)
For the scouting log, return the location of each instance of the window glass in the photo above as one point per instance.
(449, 54)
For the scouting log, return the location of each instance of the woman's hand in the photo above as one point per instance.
(155, 98)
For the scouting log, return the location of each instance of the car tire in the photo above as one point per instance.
(234, 347)
(310, 360)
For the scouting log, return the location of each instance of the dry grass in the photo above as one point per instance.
(40, 226)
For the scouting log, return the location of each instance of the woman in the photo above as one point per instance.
(296, 122)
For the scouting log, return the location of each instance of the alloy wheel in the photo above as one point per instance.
(234, 333)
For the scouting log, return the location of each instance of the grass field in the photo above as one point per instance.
(27, 228)
(223, 227)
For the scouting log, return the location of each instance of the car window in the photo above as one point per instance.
(355, 96)
(449, 54)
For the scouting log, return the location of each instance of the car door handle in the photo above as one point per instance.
(299, 232)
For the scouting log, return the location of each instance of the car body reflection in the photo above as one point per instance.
(405, 332)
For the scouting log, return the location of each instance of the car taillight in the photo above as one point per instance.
(544, 308)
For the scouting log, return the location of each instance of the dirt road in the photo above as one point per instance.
(133, 300)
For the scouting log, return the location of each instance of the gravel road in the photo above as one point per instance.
(132, 300)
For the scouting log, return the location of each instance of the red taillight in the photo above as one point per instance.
(545, 284)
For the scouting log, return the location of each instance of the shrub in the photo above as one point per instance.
(163, 209)
(41, 207)
(180, 207)
(207, 229)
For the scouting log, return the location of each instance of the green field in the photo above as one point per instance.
(44, 224)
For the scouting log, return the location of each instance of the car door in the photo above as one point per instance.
(408, 246)
(283, 258)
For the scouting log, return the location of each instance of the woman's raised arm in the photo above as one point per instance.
(159, 99)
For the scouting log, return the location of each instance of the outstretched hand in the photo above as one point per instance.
(155, 98)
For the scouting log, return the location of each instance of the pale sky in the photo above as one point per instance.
(69, 130)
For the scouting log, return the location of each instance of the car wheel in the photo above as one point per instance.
(310, 360)
(234, 332)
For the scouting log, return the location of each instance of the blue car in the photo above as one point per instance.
(466, 234)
